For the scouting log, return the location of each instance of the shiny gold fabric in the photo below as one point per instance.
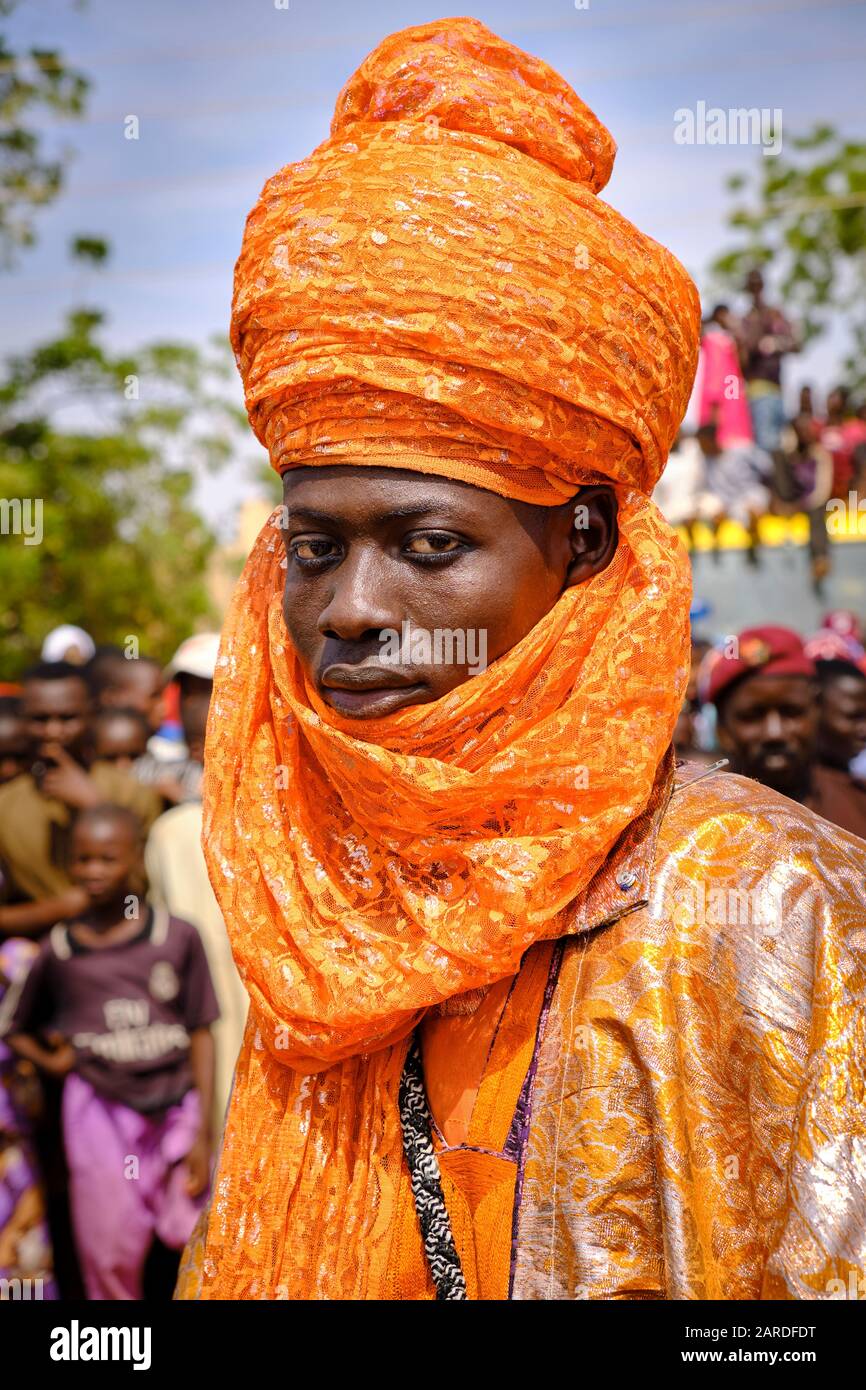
(699, 1110)
(698, 1120)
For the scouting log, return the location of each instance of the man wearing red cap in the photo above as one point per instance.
(765, 687)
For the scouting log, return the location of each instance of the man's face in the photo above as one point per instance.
(709, 442)
(806, 430)
(14, 747)
(377, 556)
(769, 726)
(754, 283)
(137, 685)
(842, 731)
(55, 711)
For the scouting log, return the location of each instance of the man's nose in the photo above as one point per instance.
(773, 726)
(358, 603)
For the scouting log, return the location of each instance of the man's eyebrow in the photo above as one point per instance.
(423, 507)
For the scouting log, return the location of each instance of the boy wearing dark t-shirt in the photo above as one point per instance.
(120, 1003)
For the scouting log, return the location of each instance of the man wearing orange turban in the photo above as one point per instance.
(534, 1013)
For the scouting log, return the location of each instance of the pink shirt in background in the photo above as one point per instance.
(721, 389)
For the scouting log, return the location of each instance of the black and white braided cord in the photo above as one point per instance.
(439, 1247)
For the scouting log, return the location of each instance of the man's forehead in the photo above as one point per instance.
(768, 690)
(103, 831)
(338, 486)
(848, 690)
(138, 673)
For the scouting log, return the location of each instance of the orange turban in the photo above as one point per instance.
(438, 287)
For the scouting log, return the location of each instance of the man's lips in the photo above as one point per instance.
(777, 757)
(365, 678)
(367, 691)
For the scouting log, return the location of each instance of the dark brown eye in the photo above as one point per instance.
(432, 543)
(314, 549)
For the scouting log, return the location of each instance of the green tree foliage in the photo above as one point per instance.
(30, 82)
(90, 250)
(105, 449)
(111, 447)
(805, 211)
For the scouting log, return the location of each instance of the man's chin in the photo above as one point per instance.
(787, 778)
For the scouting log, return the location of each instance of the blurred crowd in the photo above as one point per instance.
(749, 457)
(121, 1012)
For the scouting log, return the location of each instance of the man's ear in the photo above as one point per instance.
(594, 533)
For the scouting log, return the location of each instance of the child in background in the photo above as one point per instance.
(120, 682)
(119, 736)
(123, 1001)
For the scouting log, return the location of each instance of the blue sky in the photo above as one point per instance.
(226, 91)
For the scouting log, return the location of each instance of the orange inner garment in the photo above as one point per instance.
(474, 1069)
